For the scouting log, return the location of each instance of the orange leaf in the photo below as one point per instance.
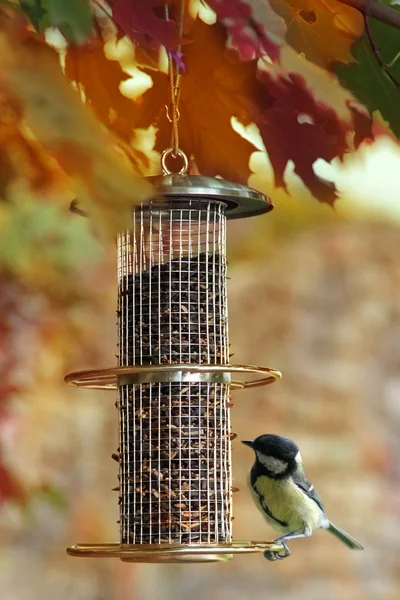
(100, 79)
(215, 87)
(21, 156)
(323, 30)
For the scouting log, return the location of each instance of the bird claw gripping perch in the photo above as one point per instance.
(272, 555)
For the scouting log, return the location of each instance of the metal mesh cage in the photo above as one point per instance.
(175, 477)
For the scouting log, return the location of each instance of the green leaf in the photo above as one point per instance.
(74, 18)
(368, 80)
(36, 11)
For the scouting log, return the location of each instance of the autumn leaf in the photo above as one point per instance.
(293, 123)
(377, 86)
(100, 79)
(297, 127)
(36, 13)
(73, 18)
(99, 174)
(145, 22)
(323, 30)
(253, 28)
(205, 118)
(300, 119)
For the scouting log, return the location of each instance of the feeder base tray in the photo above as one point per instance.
(171, 553)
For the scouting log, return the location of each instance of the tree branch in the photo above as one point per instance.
(378, 55)
(376, 10)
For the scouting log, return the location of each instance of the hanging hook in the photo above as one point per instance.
(175, 111)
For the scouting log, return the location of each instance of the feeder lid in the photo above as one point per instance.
(241, 201)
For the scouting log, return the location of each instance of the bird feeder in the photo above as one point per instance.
(174, 379)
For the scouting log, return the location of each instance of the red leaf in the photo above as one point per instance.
(297, 127)
(9, 488)
(364, 127)
(144, 22)
(249, 36)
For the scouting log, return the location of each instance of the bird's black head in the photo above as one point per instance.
(275, 455)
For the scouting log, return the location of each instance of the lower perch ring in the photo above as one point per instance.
(172, 553)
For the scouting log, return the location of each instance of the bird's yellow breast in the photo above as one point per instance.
(287, 503)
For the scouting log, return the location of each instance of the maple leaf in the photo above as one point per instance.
(73, 18)
(299, 128)
(36, 13)
(30, 71)
(374, 84)
(100, 79)
(252, 34)
(205, 126)
(296, 121)
(145, 22)
(294, 125)
(323, 30)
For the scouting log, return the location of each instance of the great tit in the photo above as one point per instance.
(287, 500)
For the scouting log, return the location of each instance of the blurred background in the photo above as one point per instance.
(314, 292)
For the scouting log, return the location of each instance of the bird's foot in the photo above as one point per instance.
(273, 555)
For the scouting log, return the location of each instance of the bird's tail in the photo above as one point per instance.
(344, 537)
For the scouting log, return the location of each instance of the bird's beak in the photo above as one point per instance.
(248, 443)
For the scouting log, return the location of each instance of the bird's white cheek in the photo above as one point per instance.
(274, 465)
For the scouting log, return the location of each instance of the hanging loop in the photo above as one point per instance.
(174, 153)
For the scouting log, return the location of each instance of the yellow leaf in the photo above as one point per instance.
(101, 176)
(323, 30)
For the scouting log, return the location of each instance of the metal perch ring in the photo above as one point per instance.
(112, 378)
(172, 553)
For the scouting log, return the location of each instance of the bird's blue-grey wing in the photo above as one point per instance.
(307, 487)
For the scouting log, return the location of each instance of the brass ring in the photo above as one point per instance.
(172, 553)
(178, 152)
(112, 378)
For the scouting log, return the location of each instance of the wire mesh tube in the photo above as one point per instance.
(175, 478)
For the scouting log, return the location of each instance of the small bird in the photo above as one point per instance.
(287, 500)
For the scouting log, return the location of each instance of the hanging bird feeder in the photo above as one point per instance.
(174, 379)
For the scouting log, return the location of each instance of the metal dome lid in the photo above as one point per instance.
(241, 201)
